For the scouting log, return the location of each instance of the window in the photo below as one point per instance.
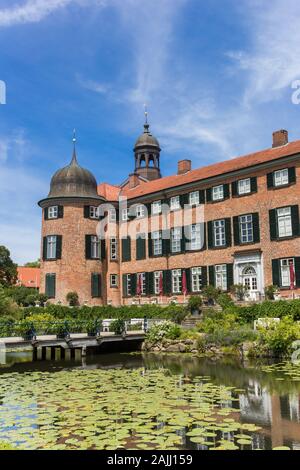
(51, 246)
(176, 281)
(157, 243)
(221, 276)
(50, 285)
(217, 193)
(96, 285)
(284, 222)
(219, 232)
(196, 237)
(113, 280)
(285, 271)
(125, 216)
(175, 203)
(94, 212)
(113, 248)
(156, 207)
(53, 212)
(95, 247)
(196, 279)
(157, 282)
(141, 278)
(176, 240)
(140, 210)
(244, 186)
(128, 284)
(246, 228)
(281, 177)
(194, 198)
(112, 215)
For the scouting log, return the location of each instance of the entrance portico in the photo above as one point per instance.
(248, 271)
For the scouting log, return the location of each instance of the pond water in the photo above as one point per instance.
(148, 401)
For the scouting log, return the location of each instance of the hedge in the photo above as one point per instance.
(268, 308)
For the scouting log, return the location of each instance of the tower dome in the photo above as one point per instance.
(147, 154)
(147, 139)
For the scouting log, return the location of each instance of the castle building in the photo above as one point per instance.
(132, 243)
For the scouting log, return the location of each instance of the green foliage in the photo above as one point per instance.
(24, 328)
(23, 295)
(270, 291)
(274, 309)
(194, 303)
(279, 337)
(239, 291)
(33, 264)
(6, 446)
(73, 299)
(117, 326)
(211, 293)
(7, 305)
(225, 301)
(8, 269)
(165, 330)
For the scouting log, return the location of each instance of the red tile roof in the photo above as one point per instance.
(108, 191)
(213, 170)
(29, 277)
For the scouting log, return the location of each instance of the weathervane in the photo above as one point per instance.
(74, 135)
(146, 114)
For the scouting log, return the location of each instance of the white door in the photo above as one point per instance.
(249, 277)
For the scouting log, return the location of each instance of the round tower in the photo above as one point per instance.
(147, 155)
(72, 255)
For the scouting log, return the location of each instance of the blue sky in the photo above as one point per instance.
(216, 77)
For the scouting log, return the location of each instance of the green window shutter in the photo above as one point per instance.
(297, 270)
(187, 237)
(226, 191)
(253, 184)
(88, 247)
(167, 281)
(295, 220)
(46, 213)
(211, 275)
(103, 249)
(60, 212)
(234, 188)
(124, 285)
(273, 224)
(202, 196)
(126, 249)
(96, 285)
(184, 199)
(86, 212)
(292, 175)
(208, 195)
(182, 242)
(166, 248)
(204, 276)
(270, 180)
(236, 230)
(188, 280)
(256, 231)
(228, 231)
(150, 245)
(276, 272)
(210, 235)
(229, 275)
(58, 246)
(141, 247)
(133, 284)
(50, 285)
(44, 248)
(150, 283)
(203, 232)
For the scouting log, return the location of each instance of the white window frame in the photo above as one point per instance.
(53, 212)
(156, 239)
(176, 281)
(95, 247)
(219, 232)
(195, 242)
(217, 192)
(94, 212)
(175, 203)
(51, 246)
(156, 207)
(140, 211)
(281, 177)
(128, 284)
(285, 271)
(196, 279)
(244, 186)
(221, 276)
(143, 283)
(246, 228)
(112, 215)
(125, 214)
(113, 248)
(157, 275)
(284, 222)
(176, 236)
(194, 198)
(114, 280)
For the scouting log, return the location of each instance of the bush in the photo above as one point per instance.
(211, 293)
(239, 291)
(225, 301)
(7, 305)
(73, 299)
(270, 291)
(194, 303)
(20, 294)
(279, 337)
(165, 330)
(231, 337)
(117, 326)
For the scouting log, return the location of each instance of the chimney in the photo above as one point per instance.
(184, 166)
(280, 138)
(133, 180)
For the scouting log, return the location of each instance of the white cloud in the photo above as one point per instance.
(92, 85)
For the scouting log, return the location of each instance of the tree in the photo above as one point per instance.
(33, 264)
(7, 305)
(8, 269)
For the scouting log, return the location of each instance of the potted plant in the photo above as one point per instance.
(61, 329)
(26, 330)
(72, 299)
(93, 326)
(117, 326)
(194, 304)
(270, 292)
(210, 293)
(239, 291)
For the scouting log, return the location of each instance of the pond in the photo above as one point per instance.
(148, 401)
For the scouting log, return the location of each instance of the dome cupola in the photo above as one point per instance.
(147, 154)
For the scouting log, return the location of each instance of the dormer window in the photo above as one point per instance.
(53, 212)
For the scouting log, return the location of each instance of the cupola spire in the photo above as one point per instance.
(74, 156)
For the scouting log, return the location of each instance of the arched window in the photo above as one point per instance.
(142, 160)
(249, 271)
(151, 160)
